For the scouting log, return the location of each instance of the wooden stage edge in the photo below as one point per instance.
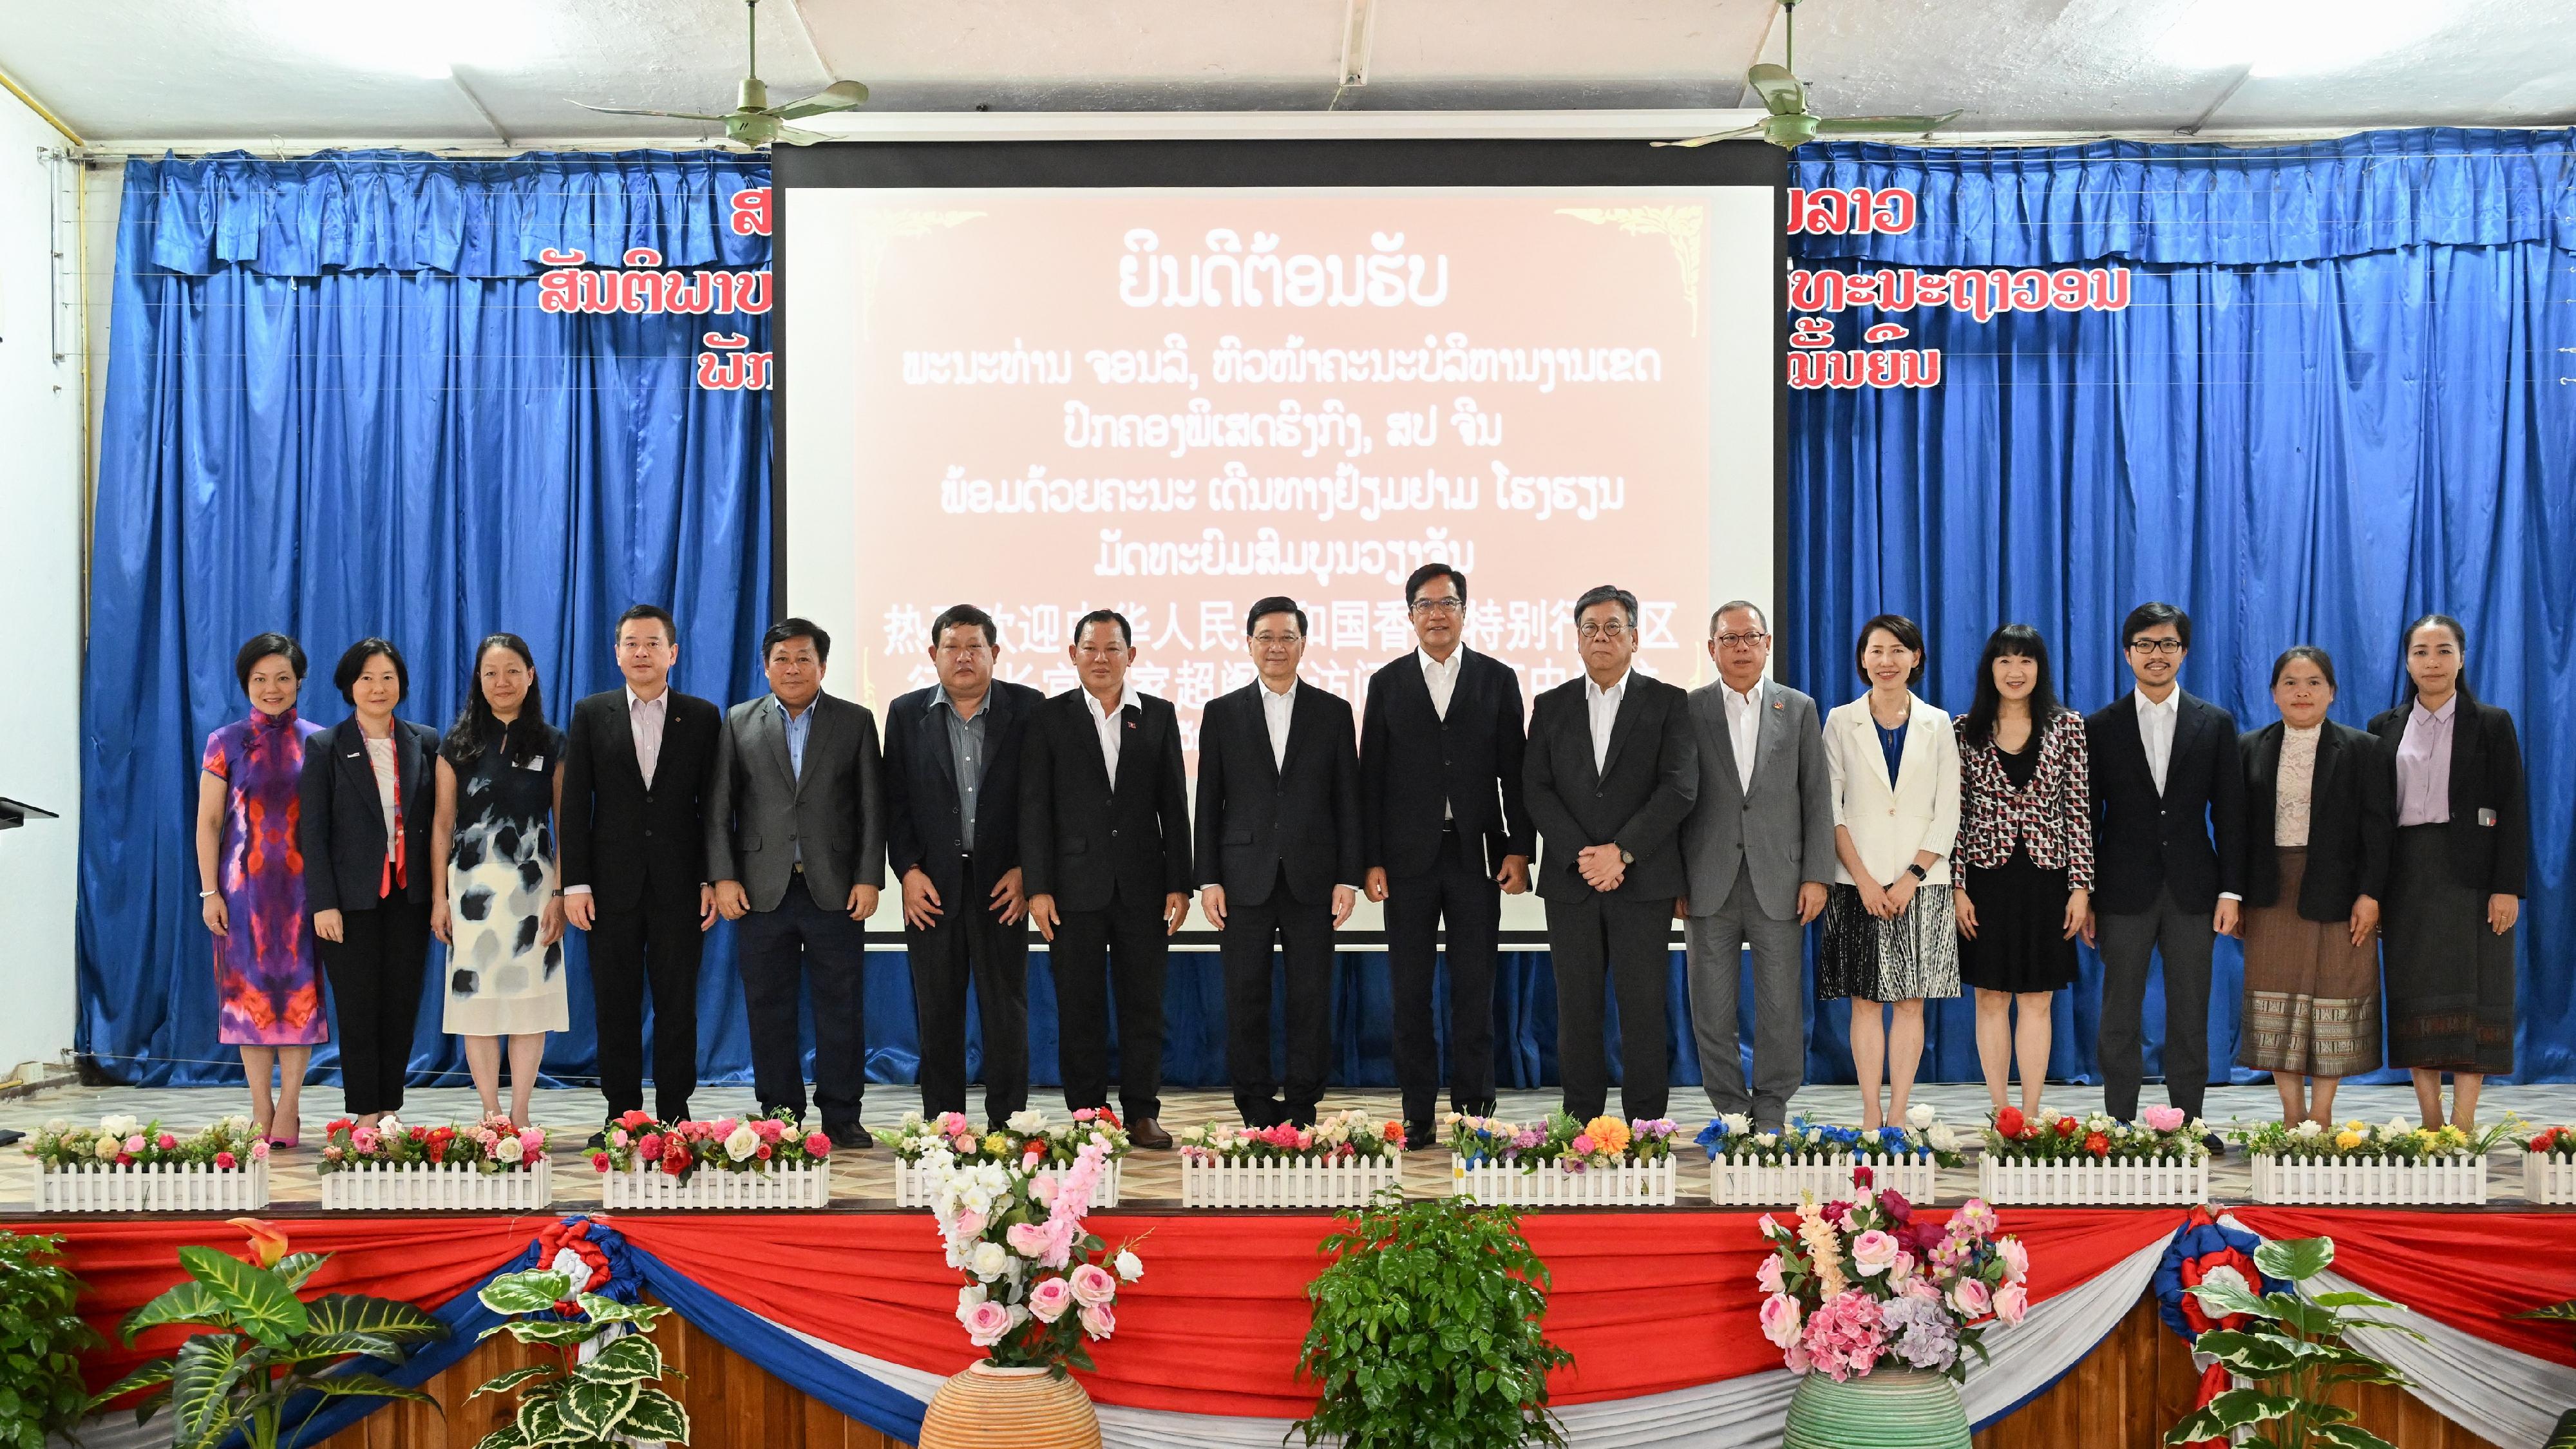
(2124, 1395)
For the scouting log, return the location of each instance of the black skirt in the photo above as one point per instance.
(2020, 943)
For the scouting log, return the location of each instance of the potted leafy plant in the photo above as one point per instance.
(41, 1338)
(2292, 1353)
(609, 1398)
(254, 1344)
(1429, 1328)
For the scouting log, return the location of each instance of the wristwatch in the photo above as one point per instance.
(1918, 871)
(1627, 857)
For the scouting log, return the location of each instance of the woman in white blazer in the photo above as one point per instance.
(1890, 934)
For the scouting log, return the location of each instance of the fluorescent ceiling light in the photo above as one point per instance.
(2295, 37)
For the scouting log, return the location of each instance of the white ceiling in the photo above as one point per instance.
(139, 73)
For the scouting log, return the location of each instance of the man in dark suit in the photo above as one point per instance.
(1278, 860)
(952, 766)
(796, 841)
(1610, 773)
(1445, 836)
(2169, 858)
(639, 762)
(1105, 857)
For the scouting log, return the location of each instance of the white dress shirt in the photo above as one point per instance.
(1743, 728)
(644, 719)
(1441, 679)
(1602, 707)
(1109, 726)
(1276, 709)
(380, 759)
(2156, 731)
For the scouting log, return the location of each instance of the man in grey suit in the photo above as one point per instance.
(1759, 845)
(796, 827)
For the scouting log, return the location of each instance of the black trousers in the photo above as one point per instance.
(1629, 942)
(1125, 942)
(656, 941)
(970, 943)
(375, 970)
(2185, 938)
(1303, 932)
(1457, 888)
(803, 949)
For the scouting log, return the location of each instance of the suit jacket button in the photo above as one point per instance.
(1113, 835)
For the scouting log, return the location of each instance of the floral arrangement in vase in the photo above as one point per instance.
(1869, 1283)
(1025, 1139)
(2356, 1140)
(123, 1141)
(2161, 1134)
(2553, 1142)
(491, 1146)
(1339, 1137)
(1038, 1284)
(726, 1144)
(1561, 1142)
(1731, 1136)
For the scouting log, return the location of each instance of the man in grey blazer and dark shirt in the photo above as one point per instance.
(796, 829)
(1759, 846)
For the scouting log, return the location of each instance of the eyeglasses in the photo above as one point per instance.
(1737, 641)
(1440, 606)
(1601, 631)
(1274, 641)
(2156, 646)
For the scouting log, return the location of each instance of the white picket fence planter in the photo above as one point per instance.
(807, 1186)
(1826, 1178)
(2371, 1181)
(2549, 1177)
(1642, 1184)
(2111, 1183)
(421, 1186)
(913, 1187)
(1346, 1182)
(160, 1187)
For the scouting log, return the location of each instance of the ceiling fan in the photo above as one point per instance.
(1790, 123)
(755, 122)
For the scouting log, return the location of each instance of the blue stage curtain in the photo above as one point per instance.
(2338, 399)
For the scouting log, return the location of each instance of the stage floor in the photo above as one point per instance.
(865, 1181)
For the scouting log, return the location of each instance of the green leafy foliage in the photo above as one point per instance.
(565, 1401)
(41, 1338)
(255, 1345)
(2564, 1436)
(2291, 1348)
(1429, 1331)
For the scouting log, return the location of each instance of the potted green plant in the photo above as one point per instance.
(254, 1344)
(606, 1399)
(1429, 1329)
(41, 1338)
(2292, 1353)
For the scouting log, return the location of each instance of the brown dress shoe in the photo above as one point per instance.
(1147, 1133)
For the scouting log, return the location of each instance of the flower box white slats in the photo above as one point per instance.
(2112, 1182)
(1826, 1178)
(914, 1188)
(159, 1187)
(1343, 1182)
(1636, 1184)
(422, 1186)
(804, 1186)
(2372, 1181)
(2549, 1177)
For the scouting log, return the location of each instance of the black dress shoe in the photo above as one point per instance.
(1147, 1133)
(851, 1139)
(1421, 1137)
(598, 1141)
(2216, 1144)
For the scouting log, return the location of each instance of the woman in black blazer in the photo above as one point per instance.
(2455, 877)
(367, 797)
(2319, 808)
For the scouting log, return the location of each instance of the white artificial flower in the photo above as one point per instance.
(2397, 1127)
(389, 1127)
(1767, 1139)
(1026, 1121)
(57, 1126)
(912, 1121)
(1736, 1123)
(2099, 1122)
(1942, 1138)
(1870, 1136)
(2307, 1129)
(508, 1150)
(118, 1125)
(742, 1143)
(1919, 1116)
(1130, 1267)
(990, 1261)
(970, 1295)
(1815, 1134)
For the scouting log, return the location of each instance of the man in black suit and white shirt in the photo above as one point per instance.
(1278, 860)
(796, 842)
(1105, 856)
(2169, 858)
(639, 763)
(1610, 772)
(1445, 835)
(952, 764)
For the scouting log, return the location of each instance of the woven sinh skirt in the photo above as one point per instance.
(2311, 995)
(1917, 954)
(2450, 979)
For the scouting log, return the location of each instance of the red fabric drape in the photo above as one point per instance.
(2469, 1270)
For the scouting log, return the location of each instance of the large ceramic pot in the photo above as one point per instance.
(1020, 1408)
(1891, 1408)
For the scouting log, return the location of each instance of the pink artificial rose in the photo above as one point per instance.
(165, 1142)
(2012, 1303)
(651, 1146)
(1029, 1240)
(1084, 1114)
(226, 1161)
(987, 1323)
(489, 1138)
(1922, 1287)
(817, 1145)
(1874, 1252)
(1781, 1319)
(2016, 1258)
(259, 1150)
(1099, 1320)
(1582, 1144)
(1901, 1272)
(769, 1128)
(1768, 1275)
(1971, 1298)
(970, 1224)
(951, 1123)
(1050, 1298)
(1092, 1285)
(134, 1143)
(1799, 1362)
(722, 1127)
(2164, 1119)
(532, 1140)
(964, 1142)
(599, 1162)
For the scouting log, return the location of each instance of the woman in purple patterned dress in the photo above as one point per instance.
(251, 870)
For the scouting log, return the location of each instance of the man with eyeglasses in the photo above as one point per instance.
(1445, 835)
(1610, 774)
(1278, 860)
(952, 773)
(1759, 845)
(2169, 859)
